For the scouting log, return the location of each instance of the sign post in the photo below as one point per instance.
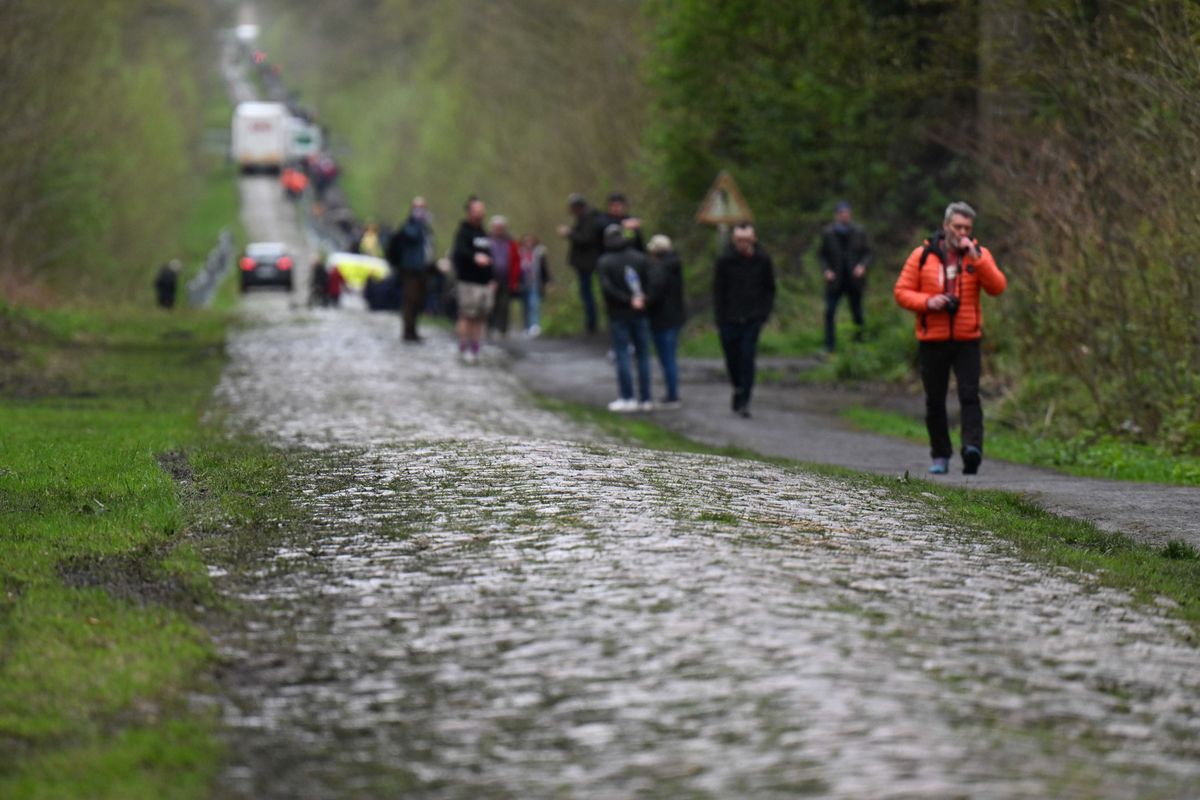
(723, 206)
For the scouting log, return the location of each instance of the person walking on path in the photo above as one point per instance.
(411, 254)
(845, 254)
(166, 283)
(743, 297)
(940, 283)
(618, 214)
(535, 274)
(506, 273)
(667, 313)
(624, 282)
(584, 239)
(472, 258)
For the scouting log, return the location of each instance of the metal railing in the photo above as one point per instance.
(202, 288)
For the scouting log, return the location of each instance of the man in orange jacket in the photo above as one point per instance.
(940, 283)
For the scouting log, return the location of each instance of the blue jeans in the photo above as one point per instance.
(533, 309)
(637, 331)
(666, 344)
(588, 297)
(739, 340)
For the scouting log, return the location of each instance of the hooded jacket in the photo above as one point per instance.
(666, 285)
(924, 276)
(617, 294)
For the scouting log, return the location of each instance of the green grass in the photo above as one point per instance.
(1113, 559)
(1089, 456)
(99, 579)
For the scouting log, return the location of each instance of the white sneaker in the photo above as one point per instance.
(535, 332)
(621, 406)
(645, 405)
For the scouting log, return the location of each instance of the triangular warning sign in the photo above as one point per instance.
(724, 204)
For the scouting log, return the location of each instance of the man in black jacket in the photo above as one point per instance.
(625, 284)
(472, 257)
(845, 255)
(667, 313)
(584, 239)
(743, 297)
(618, 214)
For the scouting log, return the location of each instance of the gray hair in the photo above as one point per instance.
(960, 208)
(499, 221)
(659, 243)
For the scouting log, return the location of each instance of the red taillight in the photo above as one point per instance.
(284, 263)
(247, 264)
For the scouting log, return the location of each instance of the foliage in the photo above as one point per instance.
(807, 103)
(1094, 176)
(103, 105)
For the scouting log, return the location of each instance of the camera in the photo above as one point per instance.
(952, 304)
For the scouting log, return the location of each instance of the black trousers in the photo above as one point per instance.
(937, 360)
(412, 302)
(739, 341)
(853, 289)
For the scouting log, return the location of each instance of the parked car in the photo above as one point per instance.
(266, 264)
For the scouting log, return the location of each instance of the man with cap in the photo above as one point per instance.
(584, 240)
(845, 255)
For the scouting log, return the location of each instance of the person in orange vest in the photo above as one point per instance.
(940, 283)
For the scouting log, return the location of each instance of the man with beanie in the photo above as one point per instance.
(743, 297)
(845, 255)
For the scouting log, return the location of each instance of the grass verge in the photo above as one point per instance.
(1149, 574)
(100, 578)
(1088, 456)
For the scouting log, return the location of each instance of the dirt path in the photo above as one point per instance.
(802, 423)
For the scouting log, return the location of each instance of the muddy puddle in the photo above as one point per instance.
(490, 603)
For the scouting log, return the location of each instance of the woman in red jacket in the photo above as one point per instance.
(940, 283)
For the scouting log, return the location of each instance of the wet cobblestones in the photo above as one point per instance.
(491, 604)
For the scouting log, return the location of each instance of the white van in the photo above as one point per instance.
(260, 135)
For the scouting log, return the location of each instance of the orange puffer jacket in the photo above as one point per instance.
(924, 275)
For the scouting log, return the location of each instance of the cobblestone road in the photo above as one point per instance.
(493, 603)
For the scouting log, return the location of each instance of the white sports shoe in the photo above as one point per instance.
(621, 406)
(645, 405)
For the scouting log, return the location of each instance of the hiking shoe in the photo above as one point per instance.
(623, 406)
(670, 405)
(940, 466)
(972, 458)
(744, 412)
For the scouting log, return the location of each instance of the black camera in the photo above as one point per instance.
(952, 304)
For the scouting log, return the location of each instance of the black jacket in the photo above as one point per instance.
(617, 294)
(743, 288)
(585, 240)
(841, 260)
(469, 241)
(666, 286)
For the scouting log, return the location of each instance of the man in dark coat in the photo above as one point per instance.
(845, 255)
(625, 284)
(618, 214)
(584, 238)
(667, 312)
(411, 254)
(743, 297)
(166, 283)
